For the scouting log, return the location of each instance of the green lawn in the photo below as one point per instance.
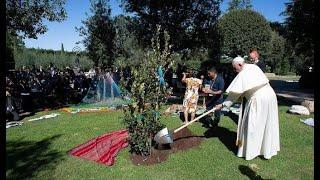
(38, 150)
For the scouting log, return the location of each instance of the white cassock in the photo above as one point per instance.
(258, 124)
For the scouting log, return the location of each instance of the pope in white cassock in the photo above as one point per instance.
(258, 124)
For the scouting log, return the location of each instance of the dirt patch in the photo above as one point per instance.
(182, 140)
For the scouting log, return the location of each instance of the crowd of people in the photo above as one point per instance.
(29, 89)
(37, 88)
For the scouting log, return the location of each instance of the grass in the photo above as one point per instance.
(285, 78)
(38, 150)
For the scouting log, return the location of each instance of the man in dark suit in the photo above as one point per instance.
(255, 59)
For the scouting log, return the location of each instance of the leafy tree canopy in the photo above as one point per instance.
(242, 30)
(99, 33)
(300, 26)
(239, 4)
(189, 22)
(278, 27)
(126, 43)
(277, 59)
(25, 17)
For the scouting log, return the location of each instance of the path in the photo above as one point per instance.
(291, 90)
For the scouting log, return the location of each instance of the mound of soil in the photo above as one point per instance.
(182, 140)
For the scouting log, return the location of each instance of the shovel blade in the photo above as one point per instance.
(166, 139)
(161, 133)
(163, 137)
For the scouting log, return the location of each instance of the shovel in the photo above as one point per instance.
(164, 137)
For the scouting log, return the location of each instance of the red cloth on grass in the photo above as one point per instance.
(102, 149)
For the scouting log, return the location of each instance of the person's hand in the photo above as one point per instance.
(219, 106)
(202, 76)
(205, 90)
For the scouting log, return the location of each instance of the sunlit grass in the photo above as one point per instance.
(39, 150)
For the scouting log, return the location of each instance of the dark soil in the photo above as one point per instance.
(182, 140)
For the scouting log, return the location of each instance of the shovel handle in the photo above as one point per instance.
(196, 119)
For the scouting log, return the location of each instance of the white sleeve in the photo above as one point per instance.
(230, 99)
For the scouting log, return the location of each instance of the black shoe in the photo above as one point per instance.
(215, 124)
(206, 125)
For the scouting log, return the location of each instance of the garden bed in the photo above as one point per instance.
(182, 140)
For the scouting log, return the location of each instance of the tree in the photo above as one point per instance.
(62, 48)
(189, 23)
(278, 60)
(128, 50)
(25, 18)
(300, 26)
(43, 57)
(14, 45)
(124, 38)
(142, 117)
(242, 30)
(278, 27)
(239, 4)
(99, 33)
(9, 63)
